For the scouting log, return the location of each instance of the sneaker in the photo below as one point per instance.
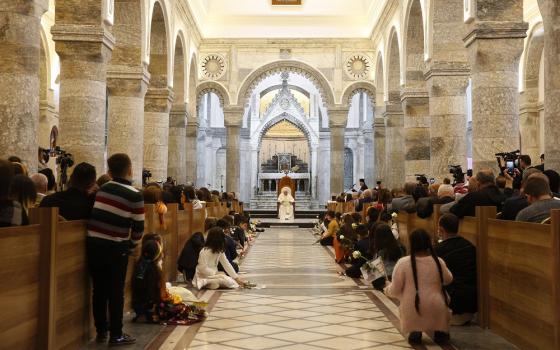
(124, 339)
(415, 338)
(102, 337)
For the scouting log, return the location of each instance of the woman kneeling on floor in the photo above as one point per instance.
(152, 300)
(207, 275)
(418, 282)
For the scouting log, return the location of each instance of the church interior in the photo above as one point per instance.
(398, 116)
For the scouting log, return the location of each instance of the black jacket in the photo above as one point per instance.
(425, 206)
(363, 247)
(189, 255)
(488, 196)
(73, 204)
(512, 206)
(460, 257)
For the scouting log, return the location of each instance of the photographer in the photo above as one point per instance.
(524, 164)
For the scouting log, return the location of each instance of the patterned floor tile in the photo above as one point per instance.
(259, 329)
(258, 343)
(298, 324)
(343, 344)
(218, 336)
(299, 336)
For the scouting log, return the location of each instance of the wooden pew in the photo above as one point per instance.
(45, 293)
(23, 324)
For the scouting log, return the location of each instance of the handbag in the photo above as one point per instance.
(373, 269)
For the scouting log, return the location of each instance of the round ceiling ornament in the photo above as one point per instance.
(213, 66)
(358, 66)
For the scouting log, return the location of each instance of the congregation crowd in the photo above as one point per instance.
(435, 281)
(115, 211)
(436, 284)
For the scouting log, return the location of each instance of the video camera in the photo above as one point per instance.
(422, 179)
(458, 174)
(146, 175)
(508, 160)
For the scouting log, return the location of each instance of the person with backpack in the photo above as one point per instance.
(418, 283)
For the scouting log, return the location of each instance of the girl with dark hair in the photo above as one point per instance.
(23, 190)
(383, 244)
(148, 285)
(344, 239)
(11, 211)
(418, 282)
(213, 253)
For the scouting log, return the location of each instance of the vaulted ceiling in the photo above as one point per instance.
(260, 19)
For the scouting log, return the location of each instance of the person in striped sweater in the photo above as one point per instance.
(114, 229)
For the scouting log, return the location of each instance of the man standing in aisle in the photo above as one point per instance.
(115, 228)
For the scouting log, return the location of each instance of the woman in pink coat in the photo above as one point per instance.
(418, 282)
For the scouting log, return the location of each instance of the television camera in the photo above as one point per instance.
(509, 161)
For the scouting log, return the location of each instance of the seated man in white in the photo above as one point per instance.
(286, 204)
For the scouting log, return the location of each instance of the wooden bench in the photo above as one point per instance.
(45, 293)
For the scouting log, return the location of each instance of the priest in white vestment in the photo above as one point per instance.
(286, 204)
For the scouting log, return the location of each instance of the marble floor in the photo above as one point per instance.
(301, 303)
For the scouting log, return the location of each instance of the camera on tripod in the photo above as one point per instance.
(63, 159)
(422, 179)
(146, 175)
(509, 161)
(458, 174)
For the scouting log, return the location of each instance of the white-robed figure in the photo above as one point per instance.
(286, 201)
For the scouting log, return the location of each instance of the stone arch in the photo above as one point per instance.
(380, 80)
(357, 87)
(263, 129)
(533, 55)
(179, 70)
(158, 47)
(216, 88)
(192, 82)
(414, 43)
(393, 67)
(311, 73)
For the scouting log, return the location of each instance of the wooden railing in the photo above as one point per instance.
(45, 296)
(518, 274)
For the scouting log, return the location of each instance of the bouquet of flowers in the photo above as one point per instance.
(174, 311)
(371, 269)
(347, 243)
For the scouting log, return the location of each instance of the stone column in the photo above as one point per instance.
(379, 153)
(337, 124)
(529, 128)
(157, 104)
(125, 123)
(84, 49)
(447, 84)
(177, 163)
(191, 143)
(20, 45)
(495, 43)
(233, 118)
(550, 10)
(394, 134)
(415, 104)
(313, 168)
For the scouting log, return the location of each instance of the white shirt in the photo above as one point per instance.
(208, 264)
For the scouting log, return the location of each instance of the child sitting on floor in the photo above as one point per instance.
(207, 275)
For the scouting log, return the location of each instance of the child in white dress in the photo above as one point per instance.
(207, 274)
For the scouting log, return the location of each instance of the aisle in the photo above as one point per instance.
(305, 305)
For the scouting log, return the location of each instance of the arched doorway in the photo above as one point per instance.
(283, 149)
